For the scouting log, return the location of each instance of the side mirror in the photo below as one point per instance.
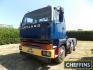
(61, 15)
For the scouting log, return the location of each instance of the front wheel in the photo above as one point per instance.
(61, 55)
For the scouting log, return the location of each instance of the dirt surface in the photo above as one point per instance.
(10, 59)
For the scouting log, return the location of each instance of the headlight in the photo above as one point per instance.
(46, 53)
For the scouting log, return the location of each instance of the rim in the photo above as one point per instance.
(72, 46)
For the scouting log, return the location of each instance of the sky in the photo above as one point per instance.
(78, 13)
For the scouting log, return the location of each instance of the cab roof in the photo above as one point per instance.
(46, 11)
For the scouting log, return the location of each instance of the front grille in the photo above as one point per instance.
(35, 46)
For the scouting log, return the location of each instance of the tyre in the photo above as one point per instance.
(74, 44)
(61, 55)
(71, 47)
(74, 48)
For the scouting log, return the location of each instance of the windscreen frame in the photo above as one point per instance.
(42, 13)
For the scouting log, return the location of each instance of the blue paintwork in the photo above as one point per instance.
(58, 30)
(47, 31)
(53, 31)
(41, 33)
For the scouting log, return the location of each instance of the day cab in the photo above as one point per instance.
(43, 34)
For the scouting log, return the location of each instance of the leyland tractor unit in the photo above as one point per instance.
(43, 34)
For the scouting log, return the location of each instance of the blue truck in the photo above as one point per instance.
(43, 34)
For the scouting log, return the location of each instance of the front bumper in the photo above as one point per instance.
(37, 51)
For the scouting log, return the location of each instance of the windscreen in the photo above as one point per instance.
(40, 15)
(31, 20)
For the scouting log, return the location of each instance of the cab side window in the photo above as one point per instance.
(56, 16)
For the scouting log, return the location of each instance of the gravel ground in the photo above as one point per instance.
(10, 59)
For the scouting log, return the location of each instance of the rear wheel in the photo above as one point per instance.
(74, 43)
(74, 48)
(71, 47)
(61, 55)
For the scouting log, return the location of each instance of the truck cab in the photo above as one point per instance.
(43, 34)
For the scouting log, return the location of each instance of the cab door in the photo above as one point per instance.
(59, 28)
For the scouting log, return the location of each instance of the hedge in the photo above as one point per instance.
(9, 35)
(81, 35)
